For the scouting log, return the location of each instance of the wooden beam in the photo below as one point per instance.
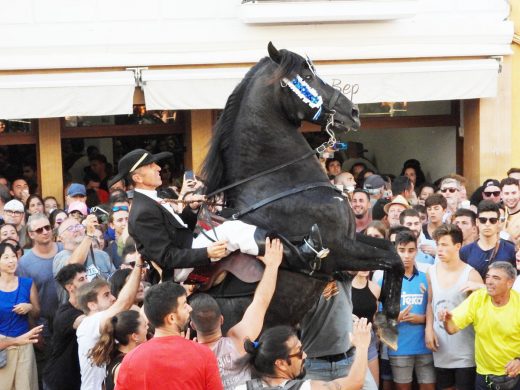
(199, 133)
(49, 158)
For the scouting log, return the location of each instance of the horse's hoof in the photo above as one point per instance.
(386, 330)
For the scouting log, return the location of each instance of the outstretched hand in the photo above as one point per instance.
(273, 253)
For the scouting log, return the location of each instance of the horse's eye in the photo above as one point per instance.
(308, 78)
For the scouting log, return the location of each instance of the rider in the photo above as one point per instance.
(164, 237)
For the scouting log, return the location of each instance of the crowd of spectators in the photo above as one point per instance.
(77, 308)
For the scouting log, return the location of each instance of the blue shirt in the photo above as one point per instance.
(414, 292)
(479, 259)
(12, 324)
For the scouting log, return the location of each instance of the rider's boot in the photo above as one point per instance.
(306, 255)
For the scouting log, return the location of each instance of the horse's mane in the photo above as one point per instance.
(217, 159)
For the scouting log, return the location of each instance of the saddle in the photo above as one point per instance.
(245, 267)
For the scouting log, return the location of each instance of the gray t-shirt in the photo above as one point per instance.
(39, 269)
(103, 268)
(326, 328)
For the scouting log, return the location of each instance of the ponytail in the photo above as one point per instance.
(101, 352)
(261, 355)
(116, 331)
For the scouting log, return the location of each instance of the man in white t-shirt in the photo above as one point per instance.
(99, 305)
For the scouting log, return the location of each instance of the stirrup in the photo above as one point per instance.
(324, 252)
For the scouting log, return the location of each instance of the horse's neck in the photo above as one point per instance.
(264, 146)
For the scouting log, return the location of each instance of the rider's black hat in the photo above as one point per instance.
(136, 159)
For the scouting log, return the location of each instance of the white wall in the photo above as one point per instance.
(81, 34)
(434, 147)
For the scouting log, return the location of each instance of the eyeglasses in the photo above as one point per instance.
(75, 228)
(119, 208)
(298, 354)
(46, 228)
(483, 220)
(451, 190)
(11, 212)
(491, 193)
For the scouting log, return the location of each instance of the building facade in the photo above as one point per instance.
(63, 59)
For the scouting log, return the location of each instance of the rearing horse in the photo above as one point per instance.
(258, 130)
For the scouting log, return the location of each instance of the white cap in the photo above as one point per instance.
(14, 205)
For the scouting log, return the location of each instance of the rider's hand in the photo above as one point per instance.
(217, 250)
(361, 334)
(273, 253)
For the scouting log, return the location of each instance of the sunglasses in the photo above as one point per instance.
(46, 228)
(119, 208)
(298, 354)
(451, 190)
(491, 193)
(483, 220)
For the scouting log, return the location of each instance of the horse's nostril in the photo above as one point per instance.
(355, 111)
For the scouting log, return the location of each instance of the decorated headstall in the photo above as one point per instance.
(304, 91)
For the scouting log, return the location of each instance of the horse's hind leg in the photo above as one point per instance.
(368, 254)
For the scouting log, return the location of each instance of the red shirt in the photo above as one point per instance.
(169, 363)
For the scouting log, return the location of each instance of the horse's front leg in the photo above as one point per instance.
(369, 254)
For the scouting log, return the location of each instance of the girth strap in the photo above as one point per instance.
(282, 195)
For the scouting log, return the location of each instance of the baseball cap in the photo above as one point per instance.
(77, 189)
(14, 205)
(78, 206)
(373, 182)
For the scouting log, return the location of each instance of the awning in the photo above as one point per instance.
(209, 88)
(66, 94)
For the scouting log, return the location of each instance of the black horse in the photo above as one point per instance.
(258, 130)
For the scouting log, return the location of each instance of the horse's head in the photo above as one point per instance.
(307, 97)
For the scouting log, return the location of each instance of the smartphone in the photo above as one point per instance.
(188, 175)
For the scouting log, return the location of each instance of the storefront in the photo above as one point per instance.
(65, 60)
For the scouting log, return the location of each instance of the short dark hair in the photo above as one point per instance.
(331, 160)
(118, 280)
(205, 313)
(436, 200)
(448, 230)
(419, 208)
(129, 248)
(408, 213)
(161, 300)
(488, 205)
(405, 237)
(398, 229)
(271, 346)
(466, 213)
(361, 190)
(513, 170)
(509, 181)
(98, 157)
(67, 274)
(400, 185)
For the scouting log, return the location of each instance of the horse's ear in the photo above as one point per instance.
(274, 53)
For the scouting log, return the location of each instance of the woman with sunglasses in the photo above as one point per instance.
(18, 301)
